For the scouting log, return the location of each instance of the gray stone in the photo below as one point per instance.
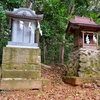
(83, 58)
(86, 64)
(95, 85)
(81, 69)
(21, 44)
(80, 74)
(19, 84)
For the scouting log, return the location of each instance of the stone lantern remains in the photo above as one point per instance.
(21, 61)
(84, 59)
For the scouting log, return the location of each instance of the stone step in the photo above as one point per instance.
(21, 74)
(19, 84)
(74, 80)
(86, 82)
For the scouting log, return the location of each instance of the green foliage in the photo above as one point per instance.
(10, 4)
(3, 32)
(57, 13)
(53, 26)
(4, 28)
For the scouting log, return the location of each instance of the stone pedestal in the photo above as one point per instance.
(21, 68)
(84, 63)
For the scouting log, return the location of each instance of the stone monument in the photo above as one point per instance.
(21, 62)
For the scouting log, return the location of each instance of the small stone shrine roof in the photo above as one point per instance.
(23, 14)
(82, 24)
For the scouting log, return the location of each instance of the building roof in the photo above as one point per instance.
(82, 24)
(82, 20)
(23, 14)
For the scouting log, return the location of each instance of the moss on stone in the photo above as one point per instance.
(21, 74)
(21, 63)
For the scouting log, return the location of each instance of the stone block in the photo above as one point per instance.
(21, 44)
(18, 51)
(21, 66)
(34, 74)
(20, 84)
(83, 58)
(21, 57)
(74, 80)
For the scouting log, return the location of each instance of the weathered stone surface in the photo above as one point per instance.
(74, 80)
(80, 74)
(34, 74)
(84, 63)
(83, 58)
(26, 51)
(21, 63)
(21, 55)
(24, 59)
(19, 84)
(21, 66)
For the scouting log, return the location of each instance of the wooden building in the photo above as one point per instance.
(85, 32)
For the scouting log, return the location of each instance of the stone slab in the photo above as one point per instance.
(17, 84)
(21, 66)
(21, 74)
(22, 44)
(7, 50)
(74, 80)
(21, 55)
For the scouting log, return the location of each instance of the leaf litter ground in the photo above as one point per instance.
(57, 90)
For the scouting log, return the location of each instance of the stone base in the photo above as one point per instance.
(85, 82)
(19, 84)
(74, 80)
(84, 63)
(22, 45)
(21, 69)
(21, 63)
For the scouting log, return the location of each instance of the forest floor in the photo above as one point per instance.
(57, 90)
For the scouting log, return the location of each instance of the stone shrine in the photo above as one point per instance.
(84, 59)
(21, 61)
(24, 22)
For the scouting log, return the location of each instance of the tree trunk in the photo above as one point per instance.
(0, 24)
(37, 38)
(45, 49)
(61, 53)
(27, 3)
(30, 4)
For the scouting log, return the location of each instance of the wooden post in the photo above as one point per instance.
(83, 38)
(37, 38)
(97, 40)
(27, 3)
